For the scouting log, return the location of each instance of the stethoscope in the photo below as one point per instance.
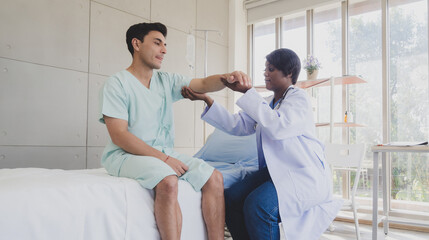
(280, 102)
(283, 97)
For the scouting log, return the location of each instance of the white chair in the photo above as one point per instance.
(349, 158)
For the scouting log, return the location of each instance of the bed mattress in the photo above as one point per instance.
(57, 204)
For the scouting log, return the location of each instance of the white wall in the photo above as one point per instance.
(56, 54)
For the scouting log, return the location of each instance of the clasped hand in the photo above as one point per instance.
(237, 81)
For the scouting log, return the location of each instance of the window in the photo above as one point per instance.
(264, 42)
(407, 102)
(327, 39)
(408, 66)
(327, 48)
(365, 58)
(294, 36)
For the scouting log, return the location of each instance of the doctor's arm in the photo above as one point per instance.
(292, 118)
(216, 115)
(118, 131)
(191, 95)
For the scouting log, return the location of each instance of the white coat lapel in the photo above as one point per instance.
(269, 99)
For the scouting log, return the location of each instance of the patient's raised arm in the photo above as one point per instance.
(214, 83)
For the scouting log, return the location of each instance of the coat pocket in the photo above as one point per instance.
(310, 185)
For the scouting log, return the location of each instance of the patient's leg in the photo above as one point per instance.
(167, 211)
(179, 219)
(213, 205)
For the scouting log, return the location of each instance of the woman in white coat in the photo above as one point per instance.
(293, 184)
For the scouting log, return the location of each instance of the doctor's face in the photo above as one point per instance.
(275, 80)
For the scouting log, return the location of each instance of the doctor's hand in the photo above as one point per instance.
(237, 86)
(179, 167)
(237, 76)
(191, 95)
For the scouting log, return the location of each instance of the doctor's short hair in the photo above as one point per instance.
(287, 61)
(140, 30)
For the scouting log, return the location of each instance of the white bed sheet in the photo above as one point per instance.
(56, 204)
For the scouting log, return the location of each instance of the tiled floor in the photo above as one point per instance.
(347, 231)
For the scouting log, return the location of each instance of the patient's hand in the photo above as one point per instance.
(191, 95)
(179, 167)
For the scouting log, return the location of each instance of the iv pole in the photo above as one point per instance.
(206, 36)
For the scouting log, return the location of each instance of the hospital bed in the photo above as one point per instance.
(47, 204)
(56, 204)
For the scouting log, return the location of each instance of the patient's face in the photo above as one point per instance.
(152, 50)
(275, 80)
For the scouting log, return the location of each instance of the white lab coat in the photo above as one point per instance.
(294, 157)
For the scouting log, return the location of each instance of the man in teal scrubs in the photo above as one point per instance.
(137, 110)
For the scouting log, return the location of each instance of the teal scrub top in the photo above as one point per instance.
(148, 111)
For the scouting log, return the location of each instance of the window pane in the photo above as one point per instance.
(327, 48)
(408, 86)
(365, 100)
(327, 39)
(264, 43)
(294, 36)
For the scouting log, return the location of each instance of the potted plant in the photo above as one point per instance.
(311, 65)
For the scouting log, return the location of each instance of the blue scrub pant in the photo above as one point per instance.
(252, 208)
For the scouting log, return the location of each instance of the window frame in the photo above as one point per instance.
(385, 31)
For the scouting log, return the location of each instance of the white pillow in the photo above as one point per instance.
(223, 147)
(234, 156)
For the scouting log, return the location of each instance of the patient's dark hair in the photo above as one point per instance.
(286, 61)
(140, 30)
